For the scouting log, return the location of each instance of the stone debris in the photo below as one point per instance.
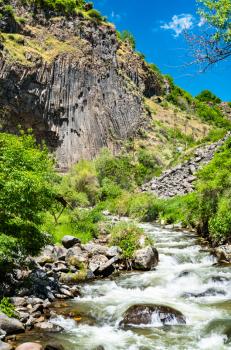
(180, 179)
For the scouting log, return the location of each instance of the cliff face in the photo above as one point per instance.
(73, 83)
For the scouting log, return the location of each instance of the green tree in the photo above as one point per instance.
(214, 44)
(26, 192)
(208, 96)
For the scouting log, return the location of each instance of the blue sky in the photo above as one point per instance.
(157, 26)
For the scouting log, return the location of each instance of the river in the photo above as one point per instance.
(187, 278)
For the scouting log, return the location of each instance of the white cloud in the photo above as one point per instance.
(115, 16)
(179, 23)
(201, 22)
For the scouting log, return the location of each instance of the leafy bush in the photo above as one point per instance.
(208, 96)
(80, 186)
(7, 308)
(109, 189)
(126, 236)
(85, 222)
(94, 14)
(26, 192)
(119, 170)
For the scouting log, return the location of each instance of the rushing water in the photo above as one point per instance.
(187, 278)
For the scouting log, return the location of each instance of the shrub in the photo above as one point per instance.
(109, 189)
(220, 223)
(208, 96)
(26, 192)
(119, 170)
(7, 308)
(126, 236)
(81, 184)
(94, 14)
(85, 222)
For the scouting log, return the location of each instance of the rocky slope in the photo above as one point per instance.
(179, 180)
(71, 81)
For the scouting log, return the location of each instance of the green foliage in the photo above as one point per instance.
(208, 96)
(94, 14)
(7, 308)
(128, 37)
(126, 236)
(26, 191)
(60, 6)
(117, 169)
(218, 14)
(85, 222)
(210, 114)
(80, 186)
(109, 189)
(215, 135)
(208, 208)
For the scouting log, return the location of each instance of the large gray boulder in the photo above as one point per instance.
(48, 327)
(10, 325)
(76, 256)
(97, 261)
(70, 241)
(145, 259)
(94, 248)
(144, 314)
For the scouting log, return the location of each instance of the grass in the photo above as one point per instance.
(64, 227)
(45, 47)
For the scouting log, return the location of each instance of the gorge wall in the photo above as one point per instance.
(72, 82)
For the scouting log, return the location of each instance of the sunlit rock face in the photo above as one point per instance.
(73, 83)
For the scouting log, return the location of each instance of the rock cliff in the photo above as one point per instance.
(72, 81)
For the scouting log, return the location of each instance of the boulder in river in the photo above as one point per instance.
(70, 241)
(145, 259)
(10, 325)
(150, 314)
(48, 327)
(223, 253)
(29, 346)
(5, 346)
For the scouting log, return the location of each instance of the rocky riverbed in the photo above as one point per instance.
(57, 274)
(184, 303)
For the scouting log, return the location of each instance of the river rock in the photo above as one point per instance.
(96, 261)
(49, 327)
(5, 346)
(113, 251)
(60, 252)
(220, 326)
(95, 249)
(10, 325)
(145, 259)
(40, 285)
(2, 334)
(70, 241)
(29, 346)
(144, 314)
(76, 256)
(223, 253)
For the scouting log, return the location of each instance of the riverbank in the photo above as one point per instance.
(187, 279)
